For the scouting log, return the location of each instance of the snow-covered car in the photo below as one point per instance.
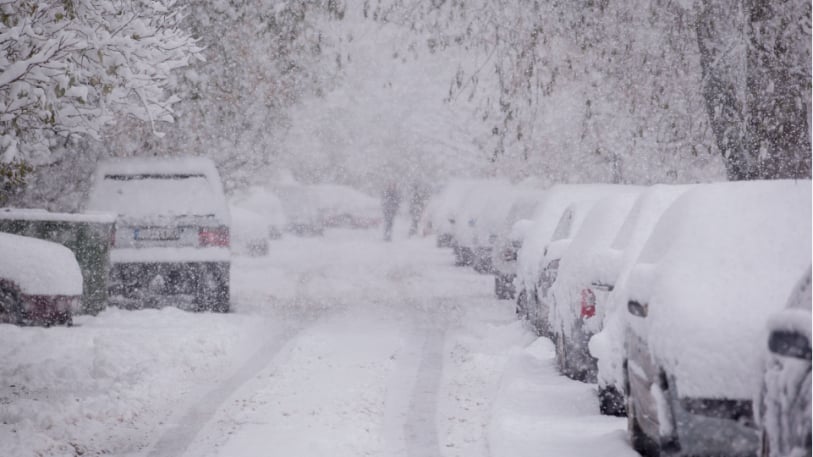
(611, 268)
(172, 238)
(539, 309)
(40, 282)
(483, 210)
(445, 208)
(578, 291)
(345, 207)
(538, 232)
(249, 232)
(266, 204)
(301, 207)
(718, 264)
(509, 242)
(784, 401)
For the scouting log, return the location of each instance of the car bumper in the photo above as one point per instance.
(140, 284)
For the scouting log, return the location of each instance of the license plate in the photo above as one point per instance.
(156, 234)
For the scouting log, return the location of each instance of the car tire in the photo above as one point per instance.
(611, 401)
(213, 290)
(522, 305)
(501, 288)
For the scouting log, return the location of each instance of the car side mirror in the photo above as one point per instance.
(637, 309)
(789, 344)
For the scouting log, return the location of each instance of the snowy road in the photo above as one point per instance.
(341, 346)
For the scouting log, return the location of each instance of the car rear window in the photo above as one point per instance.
(150, 194)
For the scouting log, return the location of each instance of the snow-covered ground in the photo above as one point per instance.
(342, 346)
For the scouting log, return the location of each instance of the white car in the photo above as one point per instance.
(784, 401)
(578, 291)
(613, 265)
(509, 241)
(481, 214)
(445, 208)
(532, 266)
(264, 203)
(718, 264)
(172, 235)
(40, 282)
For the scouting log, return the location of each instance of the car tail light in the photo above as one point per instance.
(588, 304)
(214, 237)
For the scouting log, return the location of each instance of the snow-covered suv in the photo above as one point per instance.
(171, 244)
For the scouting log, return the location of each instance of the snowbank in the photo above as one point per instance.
(39, 267)
(105, 386)
(719, 262)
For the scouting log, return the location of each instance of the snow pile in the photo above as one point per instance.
(39, 267)
(33, 214)
(718, 263)
(538, 411)
(144, 188)
(617, 261)
(105, 386)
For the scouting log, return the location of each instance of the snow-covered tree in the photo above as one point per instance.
(71, 68)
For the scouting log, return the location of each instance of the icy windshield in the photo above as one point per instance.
(145, 195)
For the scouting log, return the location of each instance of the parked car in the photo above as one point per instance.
(718, 263)
(539, 309)
(482, 210)
(172, 235)
(266, 204)
(300, 204)
(509, 241)
(784, 401)
(249, 232)
(612, 268)
(538, 232)
(40, 282)
(345, 207)
(579, 291)
(445, 208)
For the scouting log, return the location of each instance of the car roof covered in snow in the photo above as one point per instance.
(546, 218)
(720, 260)
(36, 214)
(146, 187)
(39, 267)
(448, 202)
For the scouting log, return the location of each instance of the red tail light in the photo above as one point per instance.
(214, 237)
(588, 304)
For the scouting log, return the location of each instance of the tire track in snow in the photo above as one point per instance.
(176, 439)
(420, 429)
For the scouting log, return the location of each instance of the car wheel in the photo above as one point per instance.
(522, 305)
(639, 441)
(213, 290)
(501, 288)
(611, 401)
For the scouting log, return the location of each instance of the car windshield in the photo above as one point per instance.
(146, 195)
